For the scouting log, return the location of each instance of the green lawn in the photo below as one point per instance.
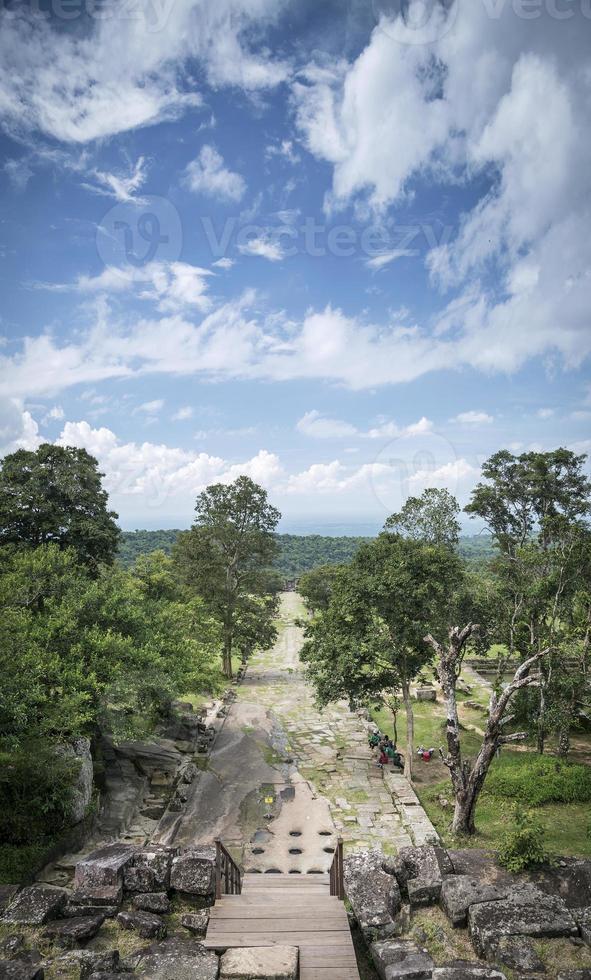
(568, 825)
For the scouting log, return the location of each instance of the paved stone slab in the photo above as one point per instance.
(263, 963)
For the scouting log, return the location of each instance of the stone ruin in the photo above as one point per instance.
(502, 913)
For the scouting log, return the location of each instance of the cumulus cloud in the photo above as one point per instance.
(321, 427)
(209, 175)
(128, 69)
(18, 428)
(183, 414)
(456, 109)
(264, 247)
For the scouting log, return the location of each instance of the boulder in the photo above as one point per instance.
(157, 902)
(72, 932)
(142, 879)
(181, 959)
(525, 912)
(147, 925)
(90, 962)
(518, 954)
(397, 958)
(424, 870)
(263, 963)
(466, 970)
(374, 895)
(79, 751)
(21, 969)
(36, 905)
(104, 867)
(583, 919)
(193, 871)
(196, 922)
(459, 892)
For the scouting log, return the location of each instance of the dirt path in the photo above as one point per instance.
(285, 779)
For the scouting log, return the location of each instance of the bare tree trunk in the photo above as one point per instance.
(467, 780)
(227, 653)
(410, 730)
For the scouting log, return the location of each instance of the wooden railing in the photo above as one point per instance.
(337, 880)
(228, 880)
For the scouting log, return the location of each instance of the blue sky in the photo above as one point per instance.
(342, 247)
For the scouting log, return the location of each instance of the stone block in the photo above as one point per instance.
(104, 867)
(147, 925)
(193, 871)
(525, 912)
(73, 932)
(196, 922)
(156, 902)
(397, 959)
(374, 895)
(459, 892)
(263, 963)
(36, 905)
(467, 970)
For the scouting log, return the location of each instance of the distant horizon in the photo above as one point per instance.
(340, 529)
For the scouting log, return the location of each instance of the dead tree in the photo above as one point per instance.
(468, 777)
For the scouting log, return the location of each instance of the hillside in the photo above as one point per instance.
(299, 553)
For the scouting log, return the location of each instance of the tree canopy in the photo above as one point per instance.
(55, 495)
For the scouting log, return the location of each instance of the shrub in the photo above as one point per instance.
(523, 845)
(18, 863)
(35, 794)
(536, 780)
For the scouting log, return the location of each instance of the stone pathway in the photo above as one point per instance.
(328, 747)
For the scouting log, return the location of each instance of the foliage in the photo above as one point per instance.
(54, 494)
(430, 518)
(369, 642)
(19, 862)
(541, 780)
(78, 653)
(225, 558)
(35, 793)
(316, 586)
(523, 844)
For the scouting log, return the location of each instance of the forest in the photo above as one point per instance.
(297, 553)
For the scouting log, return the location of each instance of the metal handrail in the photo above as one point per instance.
(337, 877)
(228, 879)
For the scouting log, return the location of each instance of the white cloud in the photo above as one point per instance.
(458, 109)
(385, 258)
(130, 68)
(545, 413)
(208, 175)
(170, 285)
(283, 148)
(183, 414)
(263, 247)
(156, 472)
(152, 408)
(119, 186)
(473, 418)
(18, 429)
(55, 414)
(319, 427)
(223, 263)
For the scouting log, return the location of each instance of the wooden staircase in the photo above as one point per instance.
(288, 910)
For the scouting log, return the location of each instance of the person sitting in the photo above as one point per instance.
(425, 754)
(374, 738)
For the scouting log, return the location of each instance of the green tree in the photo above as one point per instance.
(431, 518)
(225, 556)
(536, 506)
(316, 586)
(369, 642)
(55, 495)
